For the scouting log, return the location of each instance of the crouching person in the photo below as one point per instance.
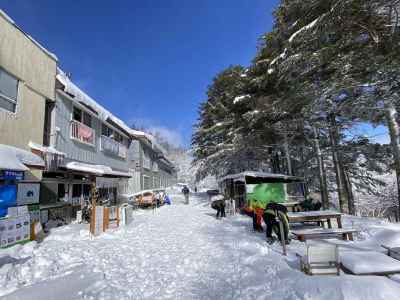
(219, 205)
(273, 214)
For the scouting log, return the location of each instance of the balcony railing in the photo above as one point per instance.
(82, 133)
(111, 146)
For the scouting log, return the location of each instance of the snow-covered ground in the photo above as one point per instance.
(182, 252)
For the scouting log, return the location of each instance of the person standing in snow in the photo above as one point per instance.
(219, 205)
(185, 192)
(274, 214)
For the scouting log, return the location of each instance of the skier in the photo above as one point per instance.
(272, 212)
(185, 192)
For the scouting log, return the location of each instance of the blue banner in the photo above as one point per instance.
(8, 197)
(11, 175)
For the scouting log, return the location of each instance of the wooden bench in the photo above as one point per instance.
(305, 234)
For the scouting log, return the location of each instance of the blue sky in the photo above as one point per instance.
(149, 62)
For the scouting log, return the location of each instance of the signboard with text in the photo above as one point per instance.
(11, 175)
(28, 193)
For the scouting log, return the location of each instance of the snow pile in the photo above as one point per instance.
(178, 252)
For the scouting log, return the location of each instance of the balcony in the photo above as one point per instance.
(111, 146)
(82, 133)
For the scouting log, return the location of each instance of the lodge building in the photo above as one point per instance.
(55, 139)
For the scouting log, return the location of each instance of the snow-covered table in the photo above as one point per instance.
(305, 234)
(393, 251)
(316, 216)
(368, 263)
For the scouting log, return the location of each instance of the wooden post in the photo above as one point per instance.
(94, 202)
(283, 240)
(106, 218)
(118, 217)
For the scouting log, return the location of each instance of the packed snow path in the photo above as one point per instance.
(178, 252)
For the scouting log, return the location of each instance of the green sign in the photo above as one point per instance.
(259, 195)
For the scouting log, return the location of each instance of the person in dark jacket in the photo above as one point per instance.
(273, 214)
(219, 205)
(185, 192)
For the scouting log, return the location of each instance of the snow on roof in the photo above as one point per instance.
(241, 98)
(137, 133)
(307, 27)
(44, 149)
(94, 169)
(83, 98)
(13, 158)
(80, 96)
(12, 22)
(242, 176)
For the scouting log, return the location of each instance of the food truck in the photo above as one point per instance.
(252, 190)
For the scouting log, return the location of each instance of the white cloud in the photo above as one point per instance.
(171, 135)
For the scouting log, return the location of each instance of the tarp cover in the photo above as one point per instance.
(12, 158)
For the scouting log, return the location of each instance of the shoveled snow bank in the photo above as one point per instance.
(178, 252)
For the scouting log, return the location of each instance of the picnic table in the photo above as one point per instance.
(316, 216)
(368, 263)
(305, 234)
(393, 251)
(292, 204)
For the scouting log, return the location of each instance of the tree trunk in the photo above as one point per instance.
(349, 190)
(394, 132)
(334, 140)
(287, 154)
(322, 172)
(305, 174)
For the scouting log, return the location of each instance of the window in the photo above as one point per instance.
(87, 190)
(146, 182)
(118, 137)
(87, 119)
(76, 190)
(77, 114)
(61, 191)
(8, 91)
(83, 117)
(106, 131)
